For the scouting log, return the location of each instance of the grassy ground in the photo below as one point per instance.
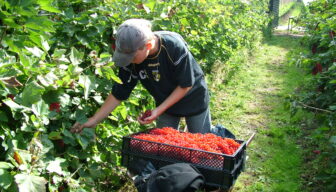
(294, 11)
(255, 101)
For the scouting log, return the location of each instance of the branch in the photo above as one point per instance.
(68, 178)
(318, 109)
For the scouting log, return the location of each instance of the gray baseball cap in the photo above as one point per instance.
(131, 36)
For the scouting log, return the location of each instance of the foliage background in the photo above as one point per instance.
(56, 69)
(318, 94)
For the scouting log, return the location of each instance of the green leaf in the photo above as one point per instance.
(40, 108)
(104, 55)
(7, 72)
(37, 39)
(30, 183)
(40, 24)
(65, 99)
(55, 135)
(95, 171)
(85, 137)
(25, 60)
(88, 83)
(76, 56)
(45, 44)
(116, 78)
(69, 138)
(11, 104)
(47, 5)
(47, 144)
(35, 51)
(10, 22)
(134, 101)
(332, 140)
(80, 116)
(98, 99)
(83, 39)
(6, 179)
(3, 116)
(47, 80)
(108, 73)
(55, 166)
(58, 53)
(184, 21)
(26, 3)
(27, 127)
(123, 112)
(5, 165)
(150, 5)
(32, 93)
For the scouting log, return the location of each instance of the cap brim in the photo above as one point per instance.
(122, 59)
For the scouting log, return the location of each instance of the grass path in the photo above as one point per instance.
(254, 101)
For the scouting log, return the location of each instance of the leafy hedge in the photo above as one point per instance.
(56, 69)
(319, 93)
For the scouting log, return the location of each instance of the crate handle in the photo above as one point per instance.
(250, 139)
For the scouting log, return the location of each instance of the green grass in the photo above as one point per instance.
(294, 11)
(285, 7)
(255, 100)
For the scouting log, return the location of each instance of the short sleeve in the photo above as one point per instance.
(183, 62)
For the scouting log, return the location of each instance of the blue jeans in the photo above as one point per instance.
(200, 123)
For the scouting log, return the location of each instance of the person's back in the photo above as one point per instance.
(169, 73)
(162, 62)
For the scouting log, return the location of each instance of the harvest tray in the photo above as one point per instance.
(219, 170)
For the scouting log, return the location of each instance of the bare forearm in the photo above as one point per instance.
(173, 98)
(109, 105)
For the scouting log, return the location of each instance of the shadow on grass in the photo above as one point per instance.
(285, 41)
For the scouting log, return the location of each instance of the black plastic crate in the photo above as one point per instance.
(219, 170)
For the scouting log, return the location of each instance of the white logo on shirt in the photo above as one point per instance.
(142, 74)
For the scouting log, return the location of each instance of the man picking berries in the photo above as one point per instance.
(163, 64)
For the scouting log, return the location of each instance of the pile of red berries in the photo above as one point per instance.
(207, 142)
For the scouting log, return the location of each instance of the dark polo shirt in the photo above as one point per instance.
(172, 66)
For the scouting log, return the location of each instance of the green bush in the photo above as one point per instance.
(319, 93)
(56, 69)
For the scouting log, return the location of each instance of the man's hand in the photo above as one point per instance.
(175, 96)
(77, 127)
(148, 117)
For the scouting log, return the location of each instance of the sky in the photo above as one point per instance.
(307, 1)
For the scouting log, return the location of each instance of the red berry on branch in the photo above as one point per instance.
(113, 46)
(60, 143)
(11, 96)
(317, 69)
(55, 107)
(331, 34)
(145, 115)
(314, 48)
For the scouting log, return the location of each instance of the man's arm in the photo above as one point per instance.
(174, 97)
(108, 106)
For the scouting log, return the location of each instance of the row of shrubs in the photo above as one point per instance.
(318, 95)
(56, 69)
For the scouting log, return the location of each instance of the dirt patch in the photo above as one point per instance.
(288, 34)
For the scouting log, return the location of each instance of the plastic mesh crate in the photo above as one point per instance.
(219, 170)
